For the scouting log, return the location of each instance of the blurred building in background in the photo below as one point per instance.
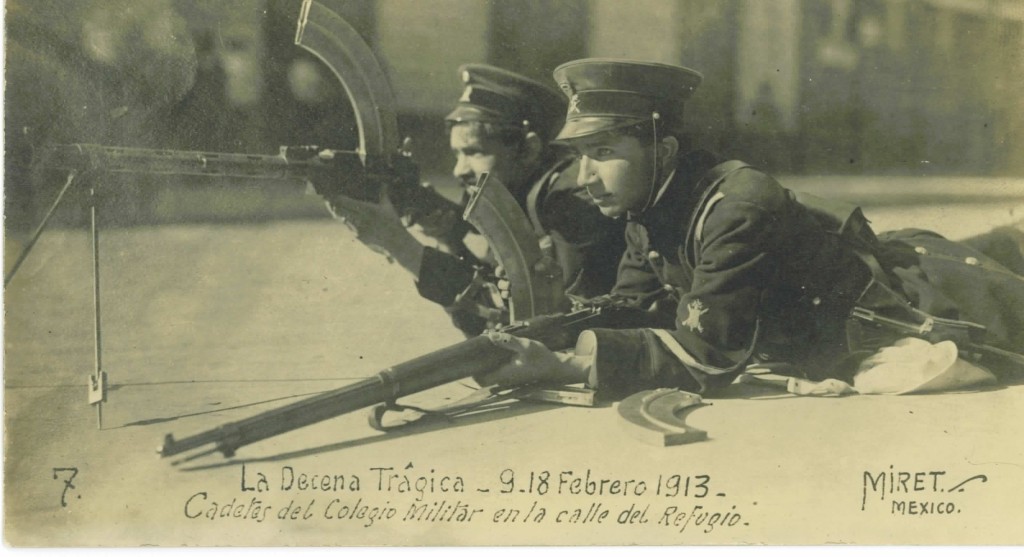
(919, 87)
(834, 86)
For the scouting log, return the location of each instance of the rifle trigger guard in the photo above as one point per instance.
(376, 416)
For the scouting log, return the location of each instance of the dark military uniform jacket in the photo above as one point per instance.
(757, 276)
(586, 244)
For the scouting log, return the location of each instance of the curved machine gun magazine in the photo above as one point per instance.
(536, 282)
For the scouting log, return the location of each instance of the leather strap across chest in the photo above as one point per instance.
(539, 189)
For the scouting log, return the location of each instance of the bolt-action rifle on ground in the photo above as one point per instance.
(466, 359)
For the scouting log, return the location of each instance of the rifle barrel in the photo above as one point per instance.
(458, 361)
(430, 370)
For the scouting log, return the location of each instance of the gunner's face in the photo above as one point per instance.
(476, 154)
(616, 170)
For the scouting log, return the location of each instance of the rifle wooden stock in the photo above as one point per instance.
(459, 361)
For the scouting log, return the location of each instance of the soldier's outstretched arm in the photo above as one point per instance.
(378, 226)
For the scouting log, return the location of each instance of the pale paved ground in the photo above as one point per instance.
(208, 324)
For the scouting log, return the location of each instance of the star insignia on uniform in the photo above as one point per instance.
(693, 312)
(574, 104)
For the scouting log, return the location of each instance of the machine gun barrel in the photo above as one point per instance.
(294, 163)
(289, 162)
(459, 361)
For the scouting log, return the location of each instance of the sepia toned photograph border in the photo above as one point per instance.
(513, 274)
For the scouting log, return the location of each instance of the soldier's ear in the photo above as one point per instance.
(532, 147)
(668, 148)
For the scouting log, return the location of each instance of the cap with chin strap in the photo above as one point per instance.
(605, 94)
(494, 95)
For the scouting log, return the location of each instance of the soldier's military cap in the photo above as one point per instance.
(606, 94)
(495, 95)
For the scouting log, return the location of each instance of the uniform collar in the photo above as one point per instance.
(679, 191)
(552, 159)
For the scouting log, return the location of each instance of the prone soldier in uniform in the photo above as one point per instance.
(757, 274)
(502, 124)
